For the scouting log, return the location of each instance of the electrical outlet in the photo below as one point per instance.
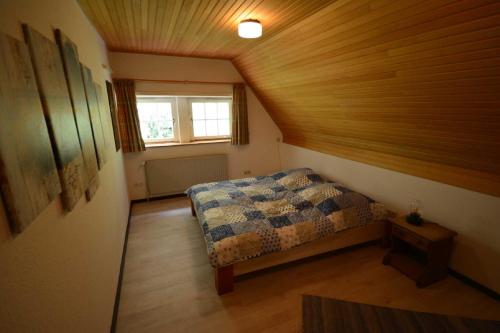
(247, 172)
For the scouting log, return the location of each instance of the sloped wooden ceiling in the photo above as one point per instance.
(412, 86)
(205, 28)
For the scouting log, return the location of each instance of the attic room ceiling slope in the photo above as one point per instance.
(408, 85)
(202, 28)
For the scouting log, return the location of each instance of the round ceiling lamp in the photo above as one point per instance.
(250, 29)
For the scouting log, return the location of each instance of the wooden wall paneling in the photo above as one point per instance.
(410, 86)
(58, 111)
(112, 109)
(28, 171)
(95, 117)
(206, 28)
(69, 55)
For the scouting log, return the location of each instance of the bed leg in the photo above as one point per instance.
(193, 211)
(224, 279)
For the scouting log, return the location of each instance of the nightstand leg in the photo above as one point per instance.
(386, 240)
(387, 259)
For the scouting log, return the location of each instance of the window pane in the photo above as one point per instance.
(198, 111)
(212, 128)
(167, 130)
(211, 117)
(164, 110)
(223, 127)
(211, 110)
(199, 128)
(156, 120)
(223, 110)
(146, 109)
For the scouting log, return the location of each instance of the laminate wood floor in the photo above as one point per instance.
(168, 283)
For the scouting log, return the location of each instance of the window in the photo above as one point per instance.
(156, 116)
(167, 119)
(210, 118)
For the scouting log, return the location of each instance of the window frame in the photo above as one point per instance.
(206, 99)
(158, 99)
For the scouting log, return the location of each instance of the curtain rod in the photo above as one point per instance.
(177, 81)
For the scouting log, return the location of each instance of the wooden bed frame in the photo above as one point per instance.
(224, 276)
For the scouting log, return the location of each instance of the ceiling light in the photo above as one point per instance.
(250, 29)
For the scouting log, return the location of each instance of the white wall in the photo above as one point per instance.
(473, 215)
(60, 274)
(259, 157)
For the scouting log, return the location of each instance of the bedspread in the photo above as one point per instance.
(247, 218)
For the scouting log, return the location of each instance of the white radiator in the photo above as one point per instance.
(175, 175)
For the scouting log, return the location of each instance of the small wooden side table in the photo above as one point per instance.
(420, 252)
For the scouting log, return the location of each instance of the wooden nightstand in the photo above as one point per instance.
(420, 252)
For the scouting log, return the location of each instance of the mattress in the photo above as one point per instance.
(246, 218)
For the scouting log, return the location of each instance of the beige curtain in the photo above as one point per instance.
(128, 118)
(239, 135)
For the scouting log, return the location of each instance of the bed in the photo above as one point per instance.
(253, 223)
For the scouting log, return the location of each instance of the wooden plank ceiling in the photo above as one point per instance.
(410, 85)
(204, 28)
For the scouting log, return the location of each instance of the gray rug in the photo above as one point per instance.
(331, 315)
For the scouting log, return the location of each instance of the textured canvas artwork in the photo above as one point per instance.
(69, 55)
(112, 109)
(28, 172)
(103, 113)
(95, 117)
(58, 111)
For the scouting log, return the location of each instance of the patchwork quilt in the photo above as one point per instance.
(247, 218)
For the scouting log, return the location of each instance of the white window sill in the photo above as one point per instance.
(175, 144)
